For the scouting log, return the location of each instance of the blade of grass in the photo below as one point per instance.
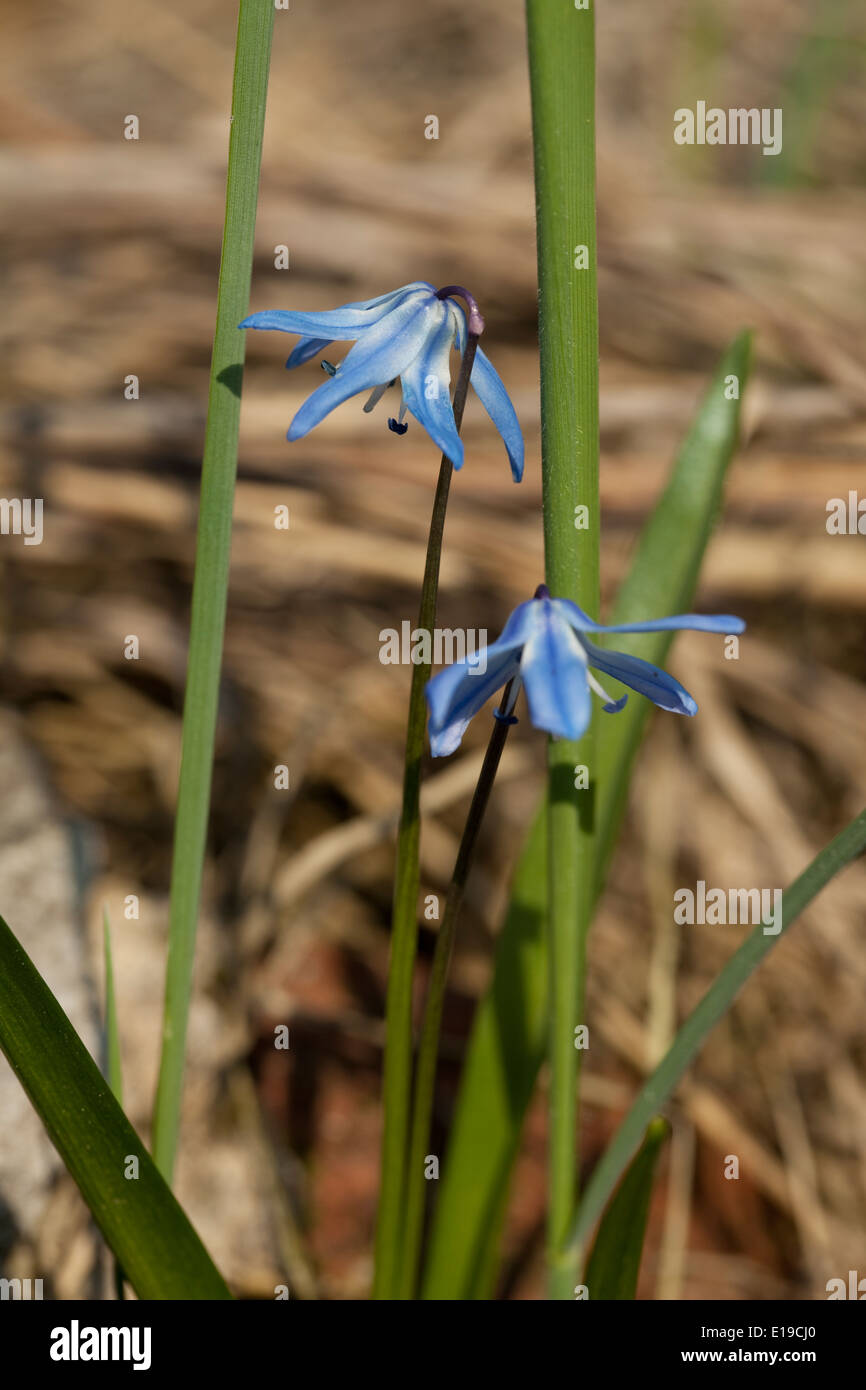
(562, 83)
(507, 1043)
(213, 545)
(154, 1243)
(112, 1054)
(112, 1036)
(664, 573)
(848, 845)
(614, 1265)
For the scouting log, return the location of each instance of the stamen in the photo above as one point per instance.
(503, 712)
(610, 704)
(375, 396)
(328, 367)
(397, 427)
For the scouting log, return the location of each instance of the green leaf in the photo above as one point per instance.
(663, 576)
(614, 1264)
(160, 1253)
(510, 1031)
(848, 845)
(112, 1035)
(112, 1048)
(212, 556)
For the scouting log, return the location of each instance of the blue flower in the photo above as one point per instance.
(544, 647)
(409, 334)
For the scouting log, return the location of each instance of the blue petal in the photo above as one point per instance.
(305, 349)
(380, 355)
(461, 690)
(697, 622)
(647, 680)
(495, 399)
(349, 321)
(311, 347)
(457, 694)
(553, 669)
(427, 390)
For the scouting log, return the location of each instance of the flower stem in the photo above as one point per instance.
(562, 79)
(428, 1049)
(213, 545)
(404, 923)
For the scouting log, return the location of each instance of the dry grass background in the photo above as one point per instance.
(110, 260)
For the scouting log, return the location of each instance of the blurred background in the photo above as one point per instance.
(110, 258)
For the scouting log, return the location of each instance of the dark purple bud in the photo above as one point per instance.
(476, 322)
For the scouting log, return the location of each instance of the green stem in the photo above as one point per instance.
(213, 545)
(428, 1049)
(562, 76)
(847, 846)
(404, 925)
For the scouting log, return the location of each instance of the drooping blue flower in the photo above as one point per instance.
(409, 334)
(544, 647)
